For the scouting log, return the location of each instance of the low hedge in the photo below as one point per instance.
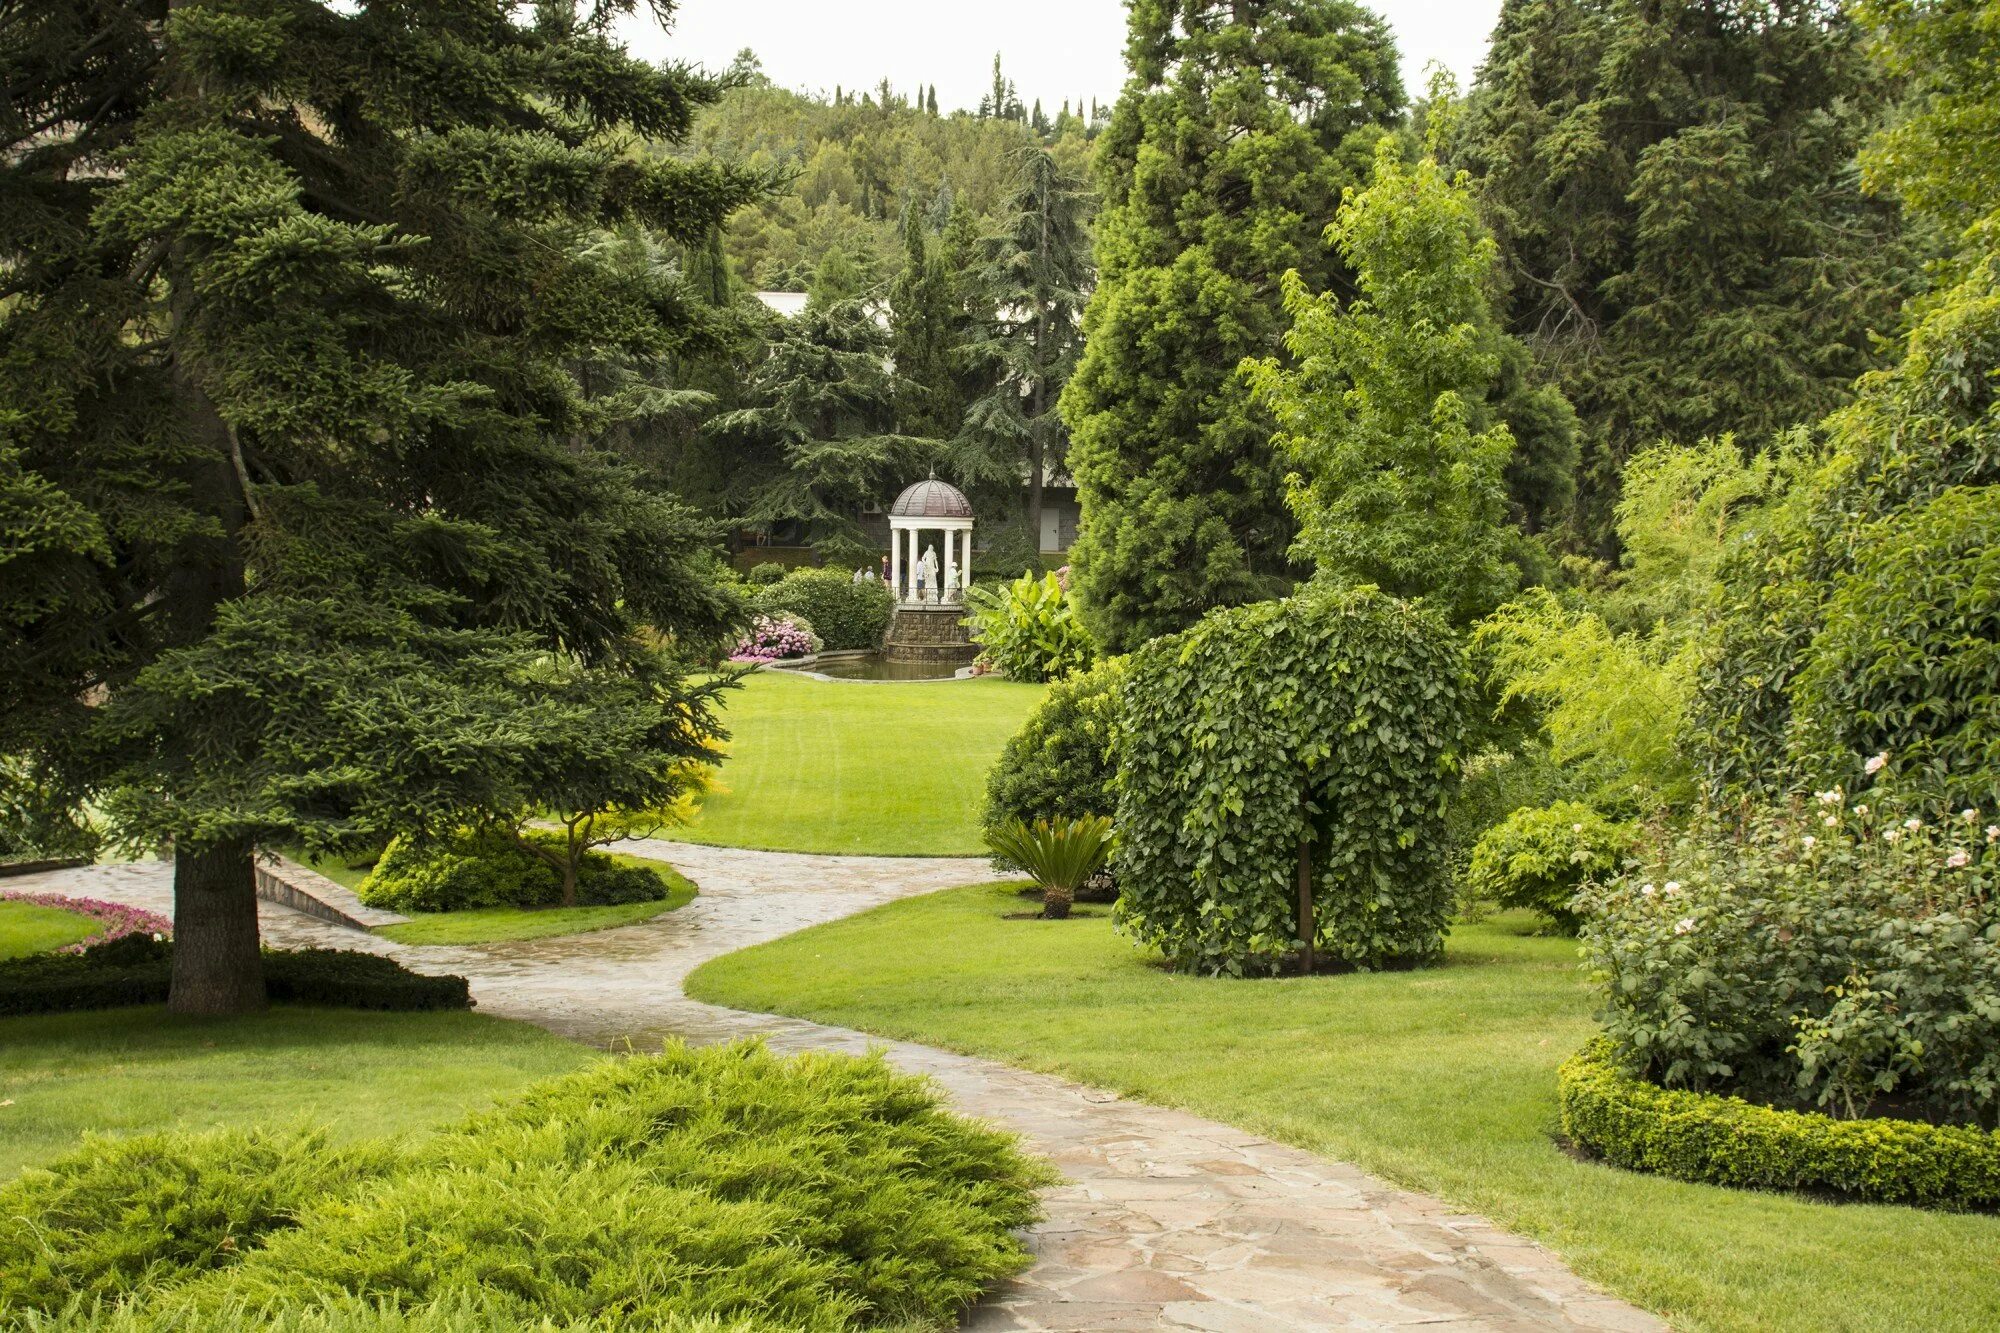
(474, 869)
(133, 971)
(1719, 1140)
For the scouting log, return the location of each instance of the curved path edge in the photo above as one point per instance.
(1166, 1220)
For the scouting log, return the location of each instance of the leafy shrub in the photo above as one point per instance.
(1908, 654)
(1840, 956)
(488, 869)
(776, 638)
(108, 1219)
(844, 614)
(138, 969)
(1538, 858)
(1333, 719)
(766, 573)
(1029, 629)
(818, 1192)
(1719, 1140)
(1060, 855)
(1061, 763)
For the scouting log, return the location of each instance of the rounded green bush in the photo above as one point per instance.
(475, 870)
(769, 572)
(1718, 1140)
(1538, 858)
(845, 614)
(1335, 719)
(1061, 763)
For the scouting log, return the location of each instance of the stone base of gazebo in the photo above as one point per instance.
(929, 634)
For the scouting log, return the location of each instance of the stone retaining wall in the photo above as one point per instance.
(305, 890)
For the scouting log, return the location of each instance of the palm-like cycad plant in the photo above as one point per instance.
(1060, 854)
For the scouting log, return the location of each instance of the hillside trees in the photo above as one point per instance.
(295, 457)
(1237, 130)
(1688, 245)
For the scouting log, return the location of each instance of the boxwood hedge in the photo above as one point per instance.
(1719, 1140)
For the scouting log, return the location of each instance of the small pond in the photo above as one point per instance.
(874, 666)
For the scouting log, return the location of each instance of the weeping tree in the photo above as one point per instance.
(1036, 277)
(294, 457)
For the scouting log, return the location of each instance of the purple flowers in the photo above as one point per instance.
(117, 919)
(776, 638)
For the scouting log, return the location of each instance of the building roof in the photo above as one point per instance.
(931, 499)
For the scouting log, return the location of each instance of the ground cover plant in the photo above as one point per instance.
(819, 1192)
(140, 1071)
(885, 769)
(31, 928)
(110, 921)
(1443, 1080)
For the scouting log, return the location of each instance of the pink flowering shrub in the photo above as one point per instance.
(115, 919)
(1841, 953)
(776, 637)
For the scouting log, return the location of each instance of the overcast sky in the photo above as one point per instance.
(1052, 49)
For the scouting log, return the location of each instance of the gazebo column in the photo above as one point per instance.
(915, 556)
(965, 565)
(950, 575)
(896, 563)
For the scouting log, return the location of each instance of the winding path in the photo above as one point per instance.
(1167, 1221)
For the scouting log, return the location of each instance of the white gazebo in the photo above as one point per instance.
(916, 575)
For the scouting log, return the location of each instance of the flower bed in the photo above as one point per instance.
(777, 638)
(116, 919)
(1718, 1140)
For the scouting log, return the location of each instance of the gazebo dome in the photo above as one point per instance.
(931, 499)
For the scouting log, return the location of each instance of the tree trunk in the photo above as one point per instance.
(1036, 456)
(1308, 924)
(569, 882)
(217, 966)
(1056, 902)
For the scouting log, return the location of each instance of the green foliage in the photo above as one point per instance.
(1035, 275)
(1717, 1140)
(1228, 151)
(121, 1214)
(811, 1194)
(816, 438)
(765, 574)
(1062, 762)
(490, 869)
(1538, 858)
(928, 326)
(1823, 591)
(1030, 629)
(136, 970)
(1383, 409)
(844, 614)
(1690, 248)
(1060, 855)
(1834, 956)
(1907, 657)
(1332, 720)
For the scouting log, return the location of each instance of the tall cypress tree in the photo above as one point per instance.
(1036, 273)
(926, 330)
(1225, 158)
(1681, 222)
(292, 300)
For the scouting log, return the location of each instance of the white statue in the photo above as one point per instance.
(951, 585)
(927, 572)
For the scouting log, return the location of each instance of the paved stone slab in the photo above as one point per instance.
(1168, 1221)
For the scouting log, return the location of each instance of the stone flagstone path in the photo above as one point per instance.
(1168, 1221)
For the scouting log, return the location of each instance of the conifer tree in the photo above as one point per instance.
(1687, 244)
(926, 327)
(1036, 272)
(292, 301)
(1225, 157)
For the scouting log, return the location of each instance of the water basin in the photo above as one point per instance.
(874, 666)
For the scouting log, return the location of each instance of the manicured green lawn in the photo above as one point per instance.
(853, 767)
(132, 1070)
(26, 928)
(1442, 1080)
(494, 925)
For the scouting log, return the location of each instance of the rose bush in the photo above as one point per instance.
(1840, 953)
